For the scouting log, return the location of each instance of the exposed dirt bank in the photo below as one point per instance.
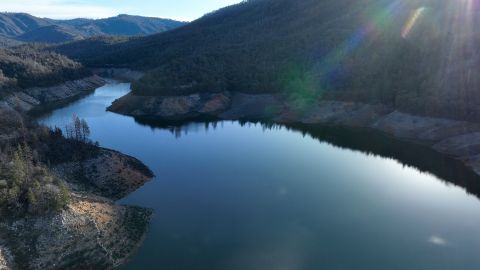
(46, 98)
(457, 139)
(92, 231)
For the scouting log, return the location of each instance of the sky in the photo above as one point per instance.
(184, 10)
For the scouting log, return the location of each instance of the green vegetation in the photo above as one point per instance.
(417, 56)
(27, 183)
(27, 186)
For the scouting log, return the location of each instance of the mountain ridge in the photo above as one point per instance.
(25, 27)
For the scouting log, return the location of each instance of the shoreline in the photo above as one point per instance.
(459, 140)
(93, 221)
(39, 100)
(434, 133)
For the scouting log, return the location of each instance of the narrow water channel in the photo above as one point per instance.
(233, 196)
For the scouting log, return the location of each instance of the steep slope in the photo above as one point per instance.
(415, 55)
(51, 34)
(14, 24)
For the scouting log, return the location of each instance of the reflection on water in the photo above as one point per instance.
(252, 196)
(367, 141)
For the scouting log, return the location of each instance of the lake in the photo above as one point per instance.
(246, 196)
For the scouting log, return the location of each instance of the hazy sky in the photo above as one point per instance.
(186, 10)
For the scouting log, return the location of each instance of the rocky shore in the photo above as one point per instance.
(109, 174)
(457, 139)
(92, 231)
(46, 98)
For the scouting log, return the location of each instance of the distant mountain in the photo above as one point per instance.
(25, 27)
(419, 56)
(126, 25)
(15, 24)
(71, 22)
(51, 34)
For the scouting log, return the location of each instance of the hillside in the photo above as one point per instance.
(26, 66)
(51, 34)
(57, 198)
(14, 24)
(126, 25)
(416, 56)
(8, 42)
(25, 27)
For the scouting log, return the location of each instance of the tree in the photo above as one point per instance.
(78, 130)
(30, 188)
(85, 130)
(20, 167)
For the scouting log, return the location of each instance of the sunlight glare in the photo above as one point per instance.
(416, 15)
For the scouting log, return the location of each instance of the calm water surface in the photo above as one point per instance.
(245, 197)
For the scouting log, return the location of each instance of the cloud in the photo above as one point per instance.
(438, 241)
(57, 9)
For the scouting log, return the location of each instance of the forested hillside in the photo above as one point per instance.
(51, 34)
(124, 25)
(419, 56)
(8, 42)
(27, 66)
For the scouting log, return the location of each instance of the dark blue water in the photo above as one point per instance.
(247, 197)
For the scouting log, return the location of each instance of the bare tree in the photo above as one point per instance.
(78, 130)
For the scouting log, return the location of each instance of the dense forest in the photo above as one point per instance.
(8, 42)
(27, 66)
(51, 34)
(418, 56)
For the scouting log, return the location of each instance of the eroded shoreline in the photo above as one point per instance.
(453, 138)
(92, 231)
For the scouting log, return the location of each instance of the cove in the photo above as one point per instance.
(252, 196)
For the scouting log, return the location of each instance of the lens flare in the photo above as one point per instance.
(380, 22)
(416, 15)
